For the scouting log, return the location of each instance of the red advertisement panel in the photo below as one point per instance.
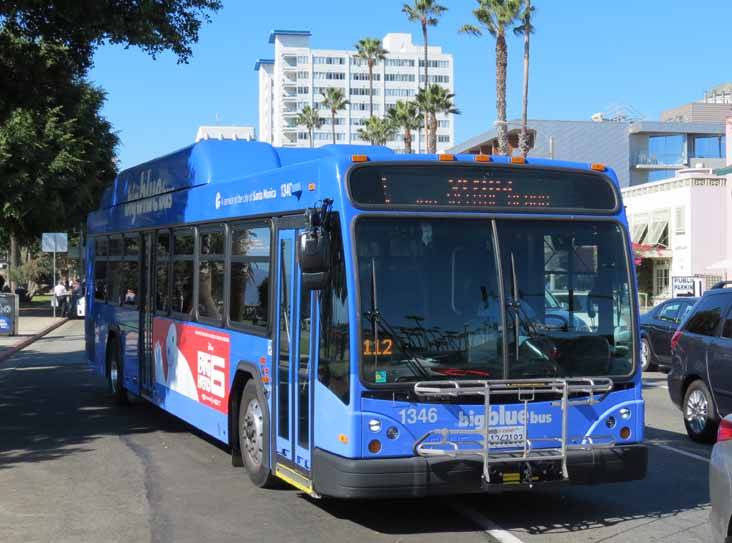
(193, 361)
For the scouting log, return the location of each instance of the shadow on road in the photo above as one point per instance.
(52, 404)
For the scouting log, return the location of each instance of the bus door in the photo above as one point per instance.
(147, 310)
(293, 404)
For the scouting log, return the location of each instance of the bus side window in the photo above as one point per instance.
(182, 299)
(249, 278)
(334, 356)
(211, 273)
(101, 251)
(130, 271)
(114, 271)
(162, 272)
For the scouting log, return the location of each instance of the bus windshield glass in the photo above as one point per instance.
(431, 306)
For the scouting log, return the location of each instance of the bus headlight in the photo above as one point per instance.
(392, 432)
(610, 422)
(624, 413)
(375, 425)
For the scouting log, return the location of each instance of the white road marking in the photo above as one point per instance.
(486, 524)
(679, 451)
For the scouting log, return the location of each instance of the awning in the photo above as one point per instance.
(642, 250)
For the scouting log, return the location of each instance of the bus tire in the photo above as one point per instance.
(700, 416)
(115, 372)
(254, 436)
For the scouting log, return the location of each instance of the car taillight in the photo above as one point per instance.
(675, 339)
(725, 430)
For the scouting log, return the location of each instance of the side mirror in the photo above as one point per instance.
(313, 254)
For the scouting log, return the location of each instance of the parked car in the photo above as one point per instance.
(657, 326)
(700, 378)
(720, 483)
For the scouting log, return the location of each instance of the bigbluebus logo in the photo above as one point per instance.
(147, 195)
(502, 417)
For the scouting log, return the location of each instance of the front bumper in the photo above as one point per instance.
(340, 477)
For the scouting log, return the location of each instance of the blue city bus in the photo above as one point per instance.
(360, 323)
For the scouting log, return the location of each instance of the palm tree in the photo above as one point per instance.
(335, 100)
(427, 13)
(431, 101)
(442, 102)
(526, 28)
(495, 16)
(377, 131)
(310, 119)
(371, 51)
(405, 115)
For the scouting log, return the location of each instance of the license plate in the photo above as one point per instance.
(505, 437)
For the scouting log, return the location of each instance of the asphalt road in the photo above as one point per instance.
(74, 467)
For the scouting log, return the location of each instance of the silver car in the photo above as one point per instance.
(720, 483)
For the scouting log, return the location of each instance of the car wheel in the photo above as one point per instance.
(254, 436)
(700, 416)
(646, 355)
(115, 375)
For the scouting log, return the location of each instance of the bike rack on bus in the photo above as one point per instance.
(456, 443)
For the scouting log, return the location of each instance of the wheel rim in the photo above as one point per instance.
(253, 432)
(697, 409)
(645, 353)
(114, 375)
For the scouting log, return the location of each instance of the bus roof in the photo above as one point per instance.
(220, 161)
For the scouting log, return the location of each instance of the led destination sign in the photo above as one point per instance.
(499, 187)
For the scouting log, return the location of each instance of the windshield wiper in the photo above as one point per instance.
(379, 323)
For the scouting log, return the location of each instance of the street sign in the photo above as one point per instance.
(686, 286)
(57, 242)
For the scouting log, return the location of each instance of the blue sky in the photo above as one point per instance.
(585, 56)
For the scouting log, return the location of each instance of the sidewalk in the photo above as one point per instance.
(34, 319)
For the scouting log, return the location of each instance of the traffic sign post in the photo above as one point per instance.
(54, 242)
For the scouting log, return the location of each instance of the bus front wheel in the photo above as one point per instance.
(254, 436)
(115, 373)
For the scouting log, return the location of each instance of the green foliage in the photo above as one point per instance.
(54, 163)
(310, 119)
(425, 12)
(432, 101)
(494, 16)
(82, 25)
(527, 14)
(370, 50)
(405, 115)
(377, 131)
(334, 99)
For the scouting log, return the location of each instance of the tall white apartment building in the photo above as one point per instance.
(297, 74)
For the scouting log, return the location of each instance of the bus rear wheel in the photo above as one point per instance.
(115, 375)
(254, 436)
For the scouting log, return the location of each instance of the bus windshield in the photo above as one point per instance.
(432, 307)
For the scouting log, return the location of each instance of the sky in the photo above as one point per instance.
(651, 55)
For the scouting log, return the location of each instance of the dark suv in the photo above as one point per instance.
(700, 380)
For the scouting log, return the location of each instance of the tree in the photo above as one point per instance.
(495, 16)
(310, 119)
(335, 100)
(427, 13)
(54, 164)
(377, 131)
(405, 115)
(80, 27)
(371, 51)
(526, 28)
(431, 101)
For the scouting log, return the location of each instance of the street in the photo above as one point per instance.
(75, 467)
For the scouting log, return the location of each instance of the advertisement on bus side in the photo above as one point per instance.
(193, 361)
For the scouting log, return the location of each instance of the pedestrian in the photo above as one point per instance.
(59, 293)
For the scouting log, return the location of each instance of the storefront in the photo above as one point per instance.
(680, 228)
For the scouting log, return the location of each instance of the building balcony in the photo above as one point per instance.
(659, 161)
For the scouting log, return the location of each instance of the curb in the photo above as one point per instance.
(23, 344)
